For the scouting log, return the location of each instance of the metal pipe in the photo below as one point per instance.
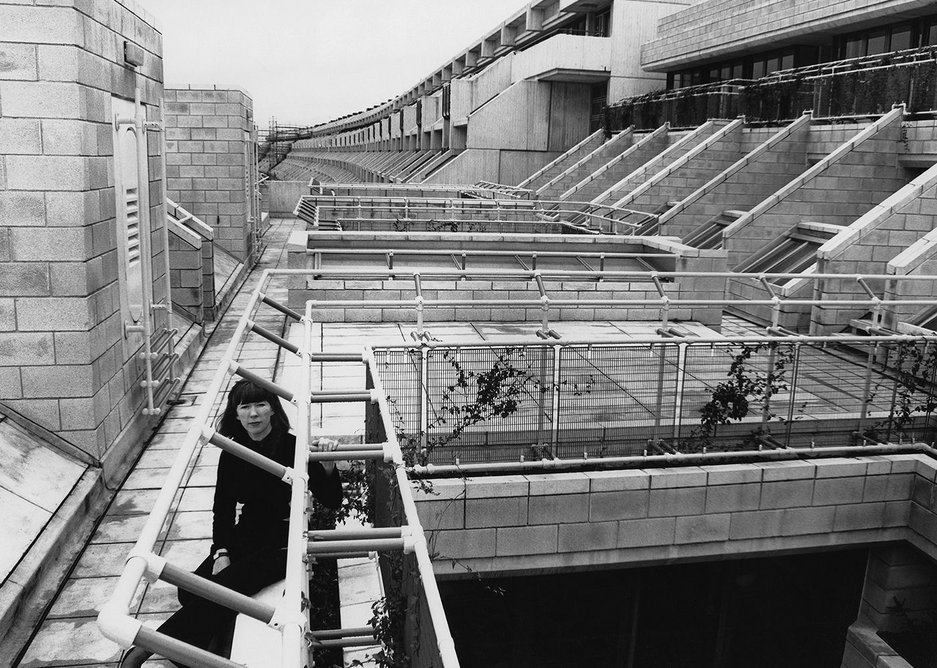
(332, 397)
(278, 390)
(274, 338)
(326, 634)
(176, 650)
(285, 310)
(245, 453)
(370, 545)
(645, 341)
(216, 593)
(634, 274)
(356, 534)
(675, 459)
(346, 455)
(296, 582)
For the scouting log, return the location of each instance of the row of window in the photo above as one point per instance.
(868, 42)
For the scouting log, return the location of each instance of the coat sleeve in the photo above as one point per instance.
(225, 503)
(326, 487)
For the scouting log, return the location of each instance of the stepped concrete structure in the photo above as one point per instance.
(589, 317)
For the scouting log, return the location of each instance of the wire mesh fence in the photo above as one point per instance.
(491, 403)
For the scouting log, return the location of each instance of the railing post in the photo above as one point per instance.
(682, 349)
(423, 395)
(769, 380)
(867, 388)
(795, 370)
(555, 394)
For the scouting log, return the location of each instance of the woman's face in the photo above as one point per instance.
(255, 418)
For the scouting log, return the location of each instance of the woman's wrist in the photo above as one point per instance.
(220, 552)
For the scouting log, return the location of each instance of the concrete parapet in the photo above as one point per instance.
(606, 517)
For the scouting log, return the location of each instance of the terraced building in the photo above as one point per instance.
(628, 308)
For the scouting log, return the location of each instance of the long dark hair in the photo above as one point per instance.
(247, 392)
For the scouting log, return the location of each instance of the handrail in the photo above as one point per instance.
(533, 177)
(659, 159)
(627, 133)
(736, 167)
(647, 139)
(288, 615)
(832, 158)
(590, 177)
(681, 161)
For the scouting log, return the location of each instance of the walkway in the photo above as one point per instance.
(68, 635)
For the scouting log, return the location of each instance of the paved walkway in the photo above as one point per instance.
(68, 635)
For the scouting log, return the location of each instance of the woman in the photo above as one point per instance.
(250, 553)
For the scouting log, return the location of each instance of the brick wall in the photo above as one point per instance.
(207, 135)
(64, 362)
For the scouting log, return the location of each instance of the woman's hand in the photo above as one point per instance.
(325, 445)
(220, 564)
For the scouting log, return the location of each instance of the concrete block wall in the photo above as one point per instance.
(208, 132)
(186, 273)
(594, 518)
(871, 250)
(586, 165)
(64, 361)
(692, 174)
(717, 28)
(764, 175)
(898, 576)
(846, 190)
(634, 174)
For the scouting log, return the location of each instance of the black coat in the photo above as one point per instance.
(263, 523)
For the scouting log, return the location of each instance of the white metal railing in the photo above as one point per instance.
(661, 281)
(288, 615)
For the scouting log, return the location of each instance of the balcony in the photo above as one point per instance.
(859, 87)
(566, 58)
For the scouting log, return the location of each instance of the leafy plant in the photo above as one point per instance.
(911, 373)
(748, 386)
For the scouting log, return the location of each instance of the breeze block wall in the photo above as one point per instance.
(208, 132)
(64, 360)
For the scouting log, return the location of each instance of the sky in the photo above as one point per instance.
(309, 61)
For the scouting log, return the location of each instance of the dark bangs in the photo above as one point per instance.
(246, 392)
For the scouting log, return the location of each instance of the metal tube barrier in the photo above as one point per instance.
(285, 310)
(433, 600)
(356, 534)
(674, 459)
(278, 390)
(248, 455)
(291, 610)
(343, 455)
(368, 545)
(332, 397)
(270, 336)
(113, 618)
(216, 593)
(176, 650)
